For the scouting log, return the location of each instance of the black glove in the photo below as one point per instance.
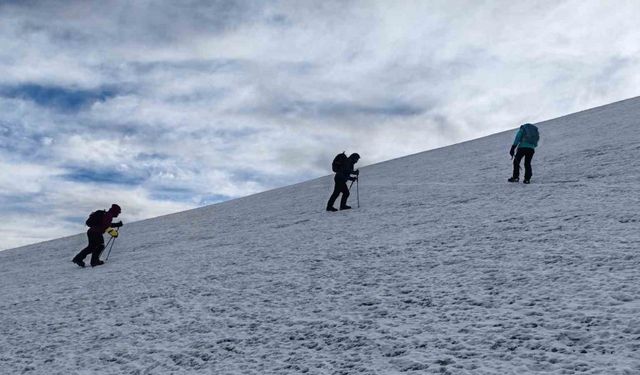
(117, 225)
(513, 150)
(353, 178)
(357, 172)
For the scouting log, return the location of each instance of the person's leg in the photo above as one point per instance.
(96, 241)
(516, 163)
(344, 189)
(334, 195)
(84, 252)
(528, 171)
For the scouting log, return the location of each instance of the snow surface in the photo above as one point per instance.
(446, 268)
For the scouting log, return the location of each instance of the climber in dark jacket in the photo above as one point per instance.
(96, 242)
(343, 175)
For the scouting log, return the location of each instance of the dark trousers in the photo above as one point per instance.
(339, 187)
(95, 247)
(527, 154)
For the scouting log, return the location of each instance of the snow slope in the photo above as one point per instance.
(446, 268)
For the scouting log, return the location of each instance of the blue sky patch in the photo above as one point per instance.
(23, 203)
(59, 98)
(334, 109)
(104, 176)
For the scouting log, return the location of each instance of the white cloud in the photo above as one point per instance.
(24, 178)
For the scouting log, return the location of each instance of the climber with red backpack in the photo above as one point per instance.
(98, 222)
(343, 167)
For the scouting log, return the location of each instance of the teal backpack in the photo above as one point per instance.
(530, 134)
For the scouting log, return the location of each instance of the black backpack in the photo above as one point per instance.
(338, 162)
(96, 218)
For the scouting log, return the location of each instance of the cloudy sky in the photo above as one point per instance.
(164, 106)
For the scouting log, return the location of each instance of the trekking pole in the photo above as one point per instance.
(105, 246)
(358, 190)
(109, 253)
(112, 243)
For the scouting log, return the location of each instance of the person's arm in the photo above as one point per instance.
(106, 223)
(516, 142)
(518, 138)
(350, 171)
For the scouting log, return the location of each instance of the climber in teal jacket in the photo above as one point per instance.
(526, 142)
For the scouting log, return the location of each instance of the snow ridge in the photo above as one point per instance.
(445, 269)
